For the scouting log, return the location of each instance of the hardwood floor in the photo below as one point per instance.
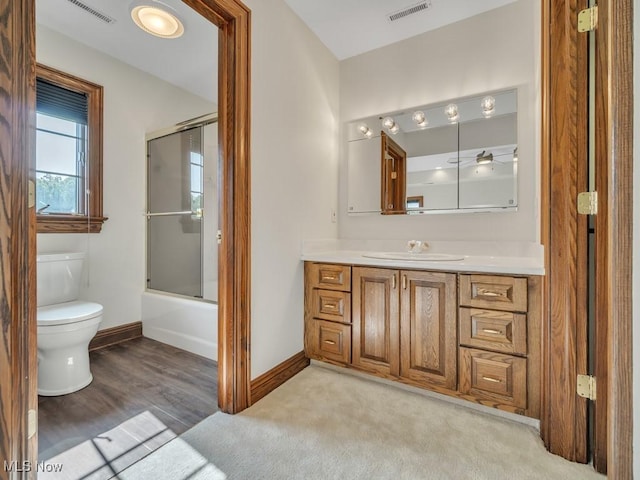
(129, 379)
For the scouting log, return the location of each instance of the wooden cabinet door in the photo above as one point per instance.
(428, 339)
(375, 313)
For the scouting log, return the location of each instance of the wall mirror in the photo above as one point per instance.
(454, 156)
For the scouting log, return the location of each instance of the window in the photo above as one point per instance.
(68, 153)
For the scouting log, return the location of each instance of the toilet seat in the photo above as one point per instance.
(68, 312)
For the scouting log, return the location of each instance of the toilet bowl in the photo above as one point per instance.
(65, 325)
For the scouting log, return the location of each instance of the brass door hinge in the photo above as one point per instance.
(588, 203)
(219, 236)
(32, 423)
(587, 386)
(588, 19)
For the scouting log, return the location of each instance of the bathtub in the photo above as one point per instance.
(191, 325)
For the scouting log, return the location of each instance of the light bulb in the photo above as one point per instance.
(451, 111)
(488, 106)
(418, 117)
(369, 133)
(395, 129)
(364, 128)
(388, 122)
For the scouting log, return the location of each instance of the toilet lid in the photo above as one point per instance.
(68, 312)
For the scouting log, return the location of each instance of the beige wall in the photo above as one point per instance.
(135, 103)
(294, 170)
(495, 50)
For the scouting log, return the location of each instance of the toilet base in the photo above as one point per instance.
(66, 390)
(63, 357)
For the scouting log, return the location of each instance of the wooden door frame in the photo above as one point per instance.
(233, 20)
(18, 389)
(18, 365)
(614, 243)
(564, 141)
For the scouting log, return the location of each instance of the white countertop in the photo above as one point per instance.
(517, 261)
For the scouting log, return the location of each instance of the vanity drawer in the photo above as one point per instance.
(331, 305)
(330, 277)
(329, 340)
(498, 331)
(494, 292)
(494, 376)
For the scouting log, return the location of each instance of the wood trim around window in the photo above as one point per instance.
(94, 220)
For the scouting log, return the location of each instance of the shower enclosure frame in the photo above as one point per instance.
(198, 122)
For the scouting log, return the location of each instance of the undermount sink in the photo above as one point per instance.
(421, 257)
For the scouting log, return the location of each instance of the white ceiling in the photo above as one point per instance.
(190, 62)
(346, 27)
(352, 27)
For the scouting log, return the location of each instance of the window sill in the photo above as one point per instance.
(69, 224)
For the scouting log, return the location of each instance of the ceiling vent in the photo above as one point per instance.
(405, 12)
(99, 15)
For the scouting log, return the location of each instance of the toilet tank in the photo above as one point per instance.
(59, 276)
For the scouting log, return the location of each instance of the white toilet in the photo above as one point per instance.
(65, 325)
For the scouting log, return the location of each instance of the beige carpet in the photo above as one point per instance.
(326, 425)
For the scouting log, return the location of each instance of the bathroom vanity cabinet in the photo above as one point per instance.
(409, 308)
(472, 336)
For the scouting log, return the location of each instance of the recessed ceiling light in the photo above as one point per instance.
(157, 21)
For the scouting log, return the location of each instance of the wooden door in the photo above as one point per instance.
(565, 112)
(375, 311)
(428, 339)
(564, 153)
(394, 177)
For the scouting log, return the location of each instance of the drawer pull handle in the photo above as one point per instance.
(492, 330)
(330, 342)
(329, 277)
(404, 282)
(491, 379)
(393, 281)
(330, 306)
(489, 293)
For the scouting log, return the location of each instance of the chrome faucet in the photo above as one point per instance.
(417, 246)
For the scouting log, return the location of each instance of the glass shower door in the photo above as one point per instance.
(174, 213)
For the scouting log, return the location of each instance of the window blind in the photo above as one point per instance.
(59, 102)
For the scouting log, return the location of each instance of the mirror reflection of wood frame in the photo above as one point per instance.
(394, 177)
(415, 202)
